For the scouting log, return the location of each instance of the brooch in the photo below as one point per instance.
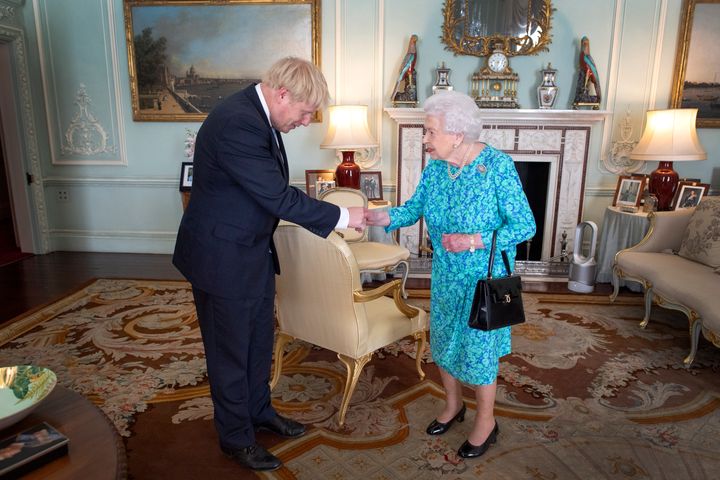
(481, 168)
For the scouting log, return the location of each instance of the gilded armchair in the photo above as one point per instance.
(320, 300)
(372, 257)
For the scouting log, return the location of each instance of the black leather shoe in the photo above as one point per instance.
(438, 428)
(468, 450)
(282, 426)
(254, 457)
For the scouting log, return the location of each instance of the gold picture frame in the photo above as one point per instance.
(186, 56)
(628, 191)
(691, 87)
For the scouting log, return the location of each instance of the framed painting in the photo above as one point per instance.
(628, 191)
(689, 194)
(186, 176)
(371, 185)
(696, 82)
(317, 181)
(185, 57)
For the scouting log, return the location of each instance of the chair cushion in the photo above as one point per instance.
(376, 255)
(701, 242)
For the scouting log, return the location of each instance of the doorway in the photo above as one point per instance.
(9, 248)
(16, 230)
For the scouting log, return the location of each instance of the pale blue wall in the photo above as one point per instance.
(129, 202)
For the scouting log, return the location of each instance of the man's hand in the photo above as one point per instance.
(377, 217)
(459, 242)
(357, 218)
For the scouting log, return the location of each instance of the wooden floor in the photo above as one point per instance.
(36, 281)
(39, 280)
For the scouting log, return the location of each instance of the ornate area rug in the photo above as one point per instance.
(586, 393)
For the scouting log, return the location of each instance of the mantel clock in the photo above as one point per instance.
(495, 85)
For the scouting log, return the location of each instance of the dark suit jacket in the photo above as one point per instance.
(240, 191)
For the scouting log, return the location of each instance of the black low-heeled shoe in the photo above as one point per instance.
(468, 450)
(438, 428)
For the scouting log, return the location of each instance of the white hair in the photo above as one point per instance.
(458, 111)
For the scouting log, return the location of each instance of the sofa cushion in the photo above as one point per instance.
(701, 242)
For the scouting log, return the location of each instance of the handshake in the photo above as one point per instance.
(362, 217)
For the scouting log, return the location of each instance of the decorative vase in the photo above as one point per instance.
(547, 91)
(663, 184)
(347, 174)
(443, 79)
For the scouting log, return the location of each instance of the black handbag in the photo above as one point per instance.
(498, 301)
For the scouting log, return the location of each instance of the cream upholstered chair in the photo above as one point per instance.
(372, 257)
(320, 300)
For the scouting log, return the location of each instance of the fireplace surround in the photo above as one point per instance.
(549, 144)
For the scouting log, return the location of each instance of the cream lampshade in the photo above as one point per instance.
(347, 131)
(669, 136)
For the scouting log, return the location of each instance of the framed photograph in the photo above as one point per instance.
(371, 185)
(186, 176)
(30, 449)
(697, 62)
(317, 181)
(689, 194)
(185, 57)
(629, 191)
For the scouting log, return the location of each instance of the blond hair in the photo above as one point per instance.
(303, 80)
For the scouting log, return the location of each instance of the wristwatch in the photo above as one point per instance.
(472, 243)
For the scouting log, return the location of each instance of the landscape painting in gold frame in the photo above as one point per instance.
(696, 82)
(185, 57)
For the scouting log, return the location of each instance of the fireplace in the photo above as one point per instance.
(549, 146)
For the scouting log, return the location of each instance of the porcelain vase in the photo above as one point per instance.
(547, 91)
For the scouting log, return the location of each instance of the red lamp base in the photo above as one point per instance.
(347, 173)
(663, 183)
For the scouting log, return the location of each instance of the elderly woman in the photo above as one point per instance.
(467, 190)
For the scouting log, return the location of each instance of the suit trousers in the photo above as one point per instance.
(238, 338)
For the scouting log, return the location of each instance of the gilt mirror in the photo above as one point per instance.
(475, 27)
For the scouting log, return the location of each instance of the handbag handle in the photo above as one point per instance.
(492, 257)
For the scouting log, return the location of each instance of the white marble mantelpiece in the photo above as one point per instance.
(560, 138)
(506, 116)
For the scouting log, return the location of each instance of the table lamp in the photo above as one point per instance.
(348, 131)
(669, 136)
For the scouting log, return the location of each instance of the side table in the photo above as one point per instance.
(620, 230)
(95, 450)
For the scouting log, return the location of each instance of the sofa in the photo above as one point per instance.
(678, 265)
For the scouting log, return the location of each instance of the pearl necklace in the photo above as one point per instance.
(454, 176)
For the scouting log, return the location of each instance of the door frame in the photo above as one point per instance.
(21, 158)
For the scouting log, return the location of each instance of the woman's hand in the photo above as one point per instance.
(460, 242)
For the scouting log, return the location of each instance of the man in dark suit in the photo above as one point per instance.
(225, 248)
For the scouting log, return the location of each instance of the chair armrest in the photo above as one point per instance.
(666, 231)
(381, 291)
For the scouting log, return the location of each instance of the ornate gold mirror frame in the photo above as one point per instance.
(475, 27)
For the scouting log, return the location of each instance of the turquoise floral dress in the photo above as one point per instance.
(487, 195)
